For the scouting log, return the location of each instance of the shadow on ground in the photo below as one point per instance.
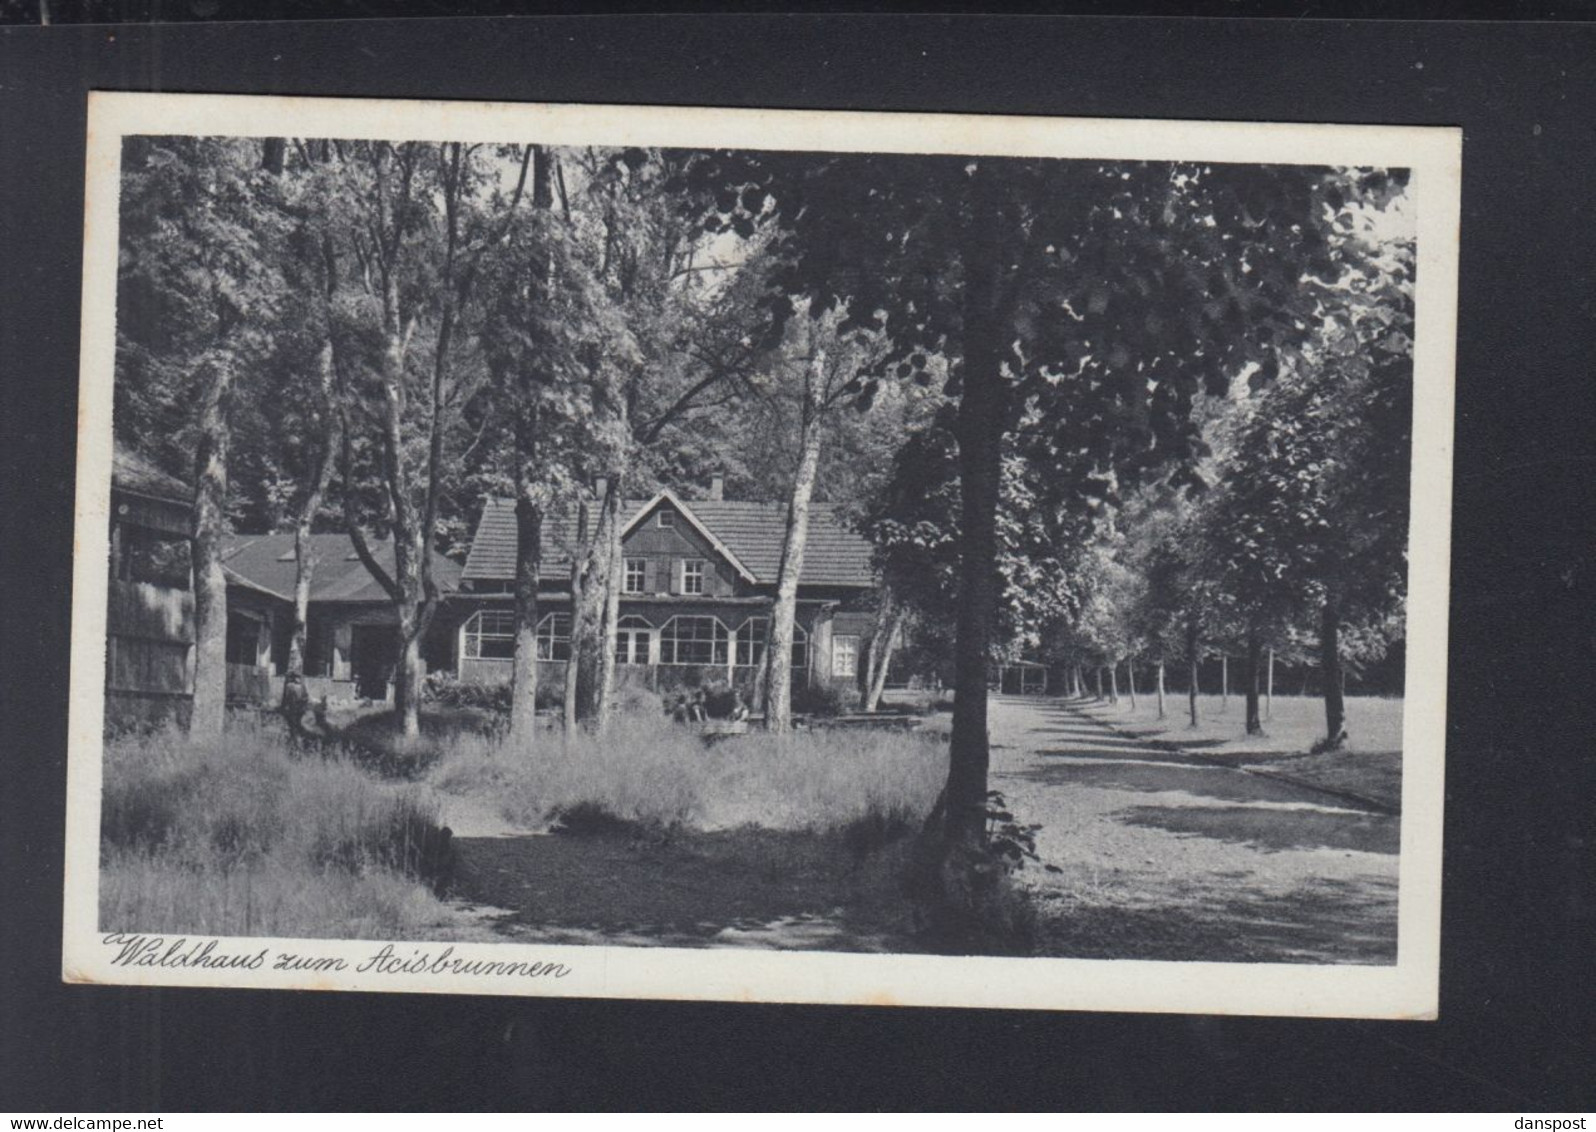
(1273, 830)
(1145, 776)
(746, 887)
(1324, 921)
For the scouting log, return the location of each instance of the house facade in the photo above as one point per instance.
(351, 644)
(698, 584)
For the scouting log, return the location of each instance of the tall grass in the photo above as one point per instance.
(246, 838)
(656, 773)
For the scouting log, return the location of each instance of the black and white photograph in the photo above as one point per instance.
(785, 556)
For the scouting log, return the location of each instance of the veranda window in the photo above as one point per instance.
(752, 636)
(800, 649)
(631, 640)
(490, 635)
(693, 640)
(554, 637)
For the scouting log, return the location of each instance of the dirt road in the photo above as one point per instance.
(1163, 856)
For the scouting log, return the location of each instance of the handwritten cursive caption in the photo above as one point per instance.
(206, 954)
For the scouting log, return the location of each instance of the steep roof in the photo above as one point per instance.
(133, 471)
(834, 555)
(266, 562)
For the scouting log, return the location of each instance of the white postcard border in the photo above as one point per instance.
(1409, 989)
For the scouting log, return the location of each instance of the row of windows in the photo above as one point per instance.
(683, 640)
(690, 575)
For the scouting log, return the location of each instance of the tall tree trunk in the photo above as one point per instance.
(409, 675)
(1191, 665)
(310, 505)
(408, 545)
(889, 626)
(1335, 707)
(1097, 671)
(1160, 688)
(604, 694)
(1130, 679)
(528, 565)
(528, 515)
(578, 603)
(585, 673)
(209, 708)
(1253, 677)
(1224, 682)
(982, 410)
(1269, 686)
(778, 679)
(1113, 682)
(410, 541)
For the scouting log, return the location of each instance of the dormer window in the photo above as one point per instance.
(667, 517)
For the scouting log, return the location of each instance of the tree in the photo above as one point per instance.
(537, 331)
(1313, 516)
(427, 217)
(1158, 529)
(827, 375)
(679, 309)
(197, 283)
(1097, 297)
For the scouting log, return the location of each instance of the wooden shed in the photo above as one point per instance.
(149, 669)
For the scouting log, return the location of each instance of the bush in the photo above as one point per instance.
(638, 701)
(446, 690)
(246, 820)
(550, 695)
(825, 700)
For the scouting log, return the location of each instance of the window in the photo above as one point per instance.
(636, 580)
(243, 640)
(631, 640)
(693, 576)
(667, 517)
(800, 649)
(693, 640)
(751, 638)
(490, 635)
(844, 656)
(554, 637)
(144, 555)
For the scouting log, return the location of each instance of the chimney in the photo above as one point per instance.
(717, 487)
(600, 486)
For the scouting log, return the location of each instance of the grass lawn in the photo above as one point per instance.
(1369, 766)
(252, 838)
(646, 835)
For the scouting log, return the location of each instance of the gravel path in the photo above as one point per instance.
(1164, 857)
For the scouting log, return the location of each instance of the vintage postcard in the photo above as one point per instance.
(777, 556)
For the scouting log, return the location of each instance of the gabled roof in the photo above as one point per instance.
(134, 472)
(266, 563)
(669, 497)
(750, 533)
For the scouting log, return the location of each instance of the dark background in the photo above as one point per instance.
(1516, 1004)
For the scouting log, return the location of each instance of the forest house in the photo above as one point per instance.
(698, 583)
